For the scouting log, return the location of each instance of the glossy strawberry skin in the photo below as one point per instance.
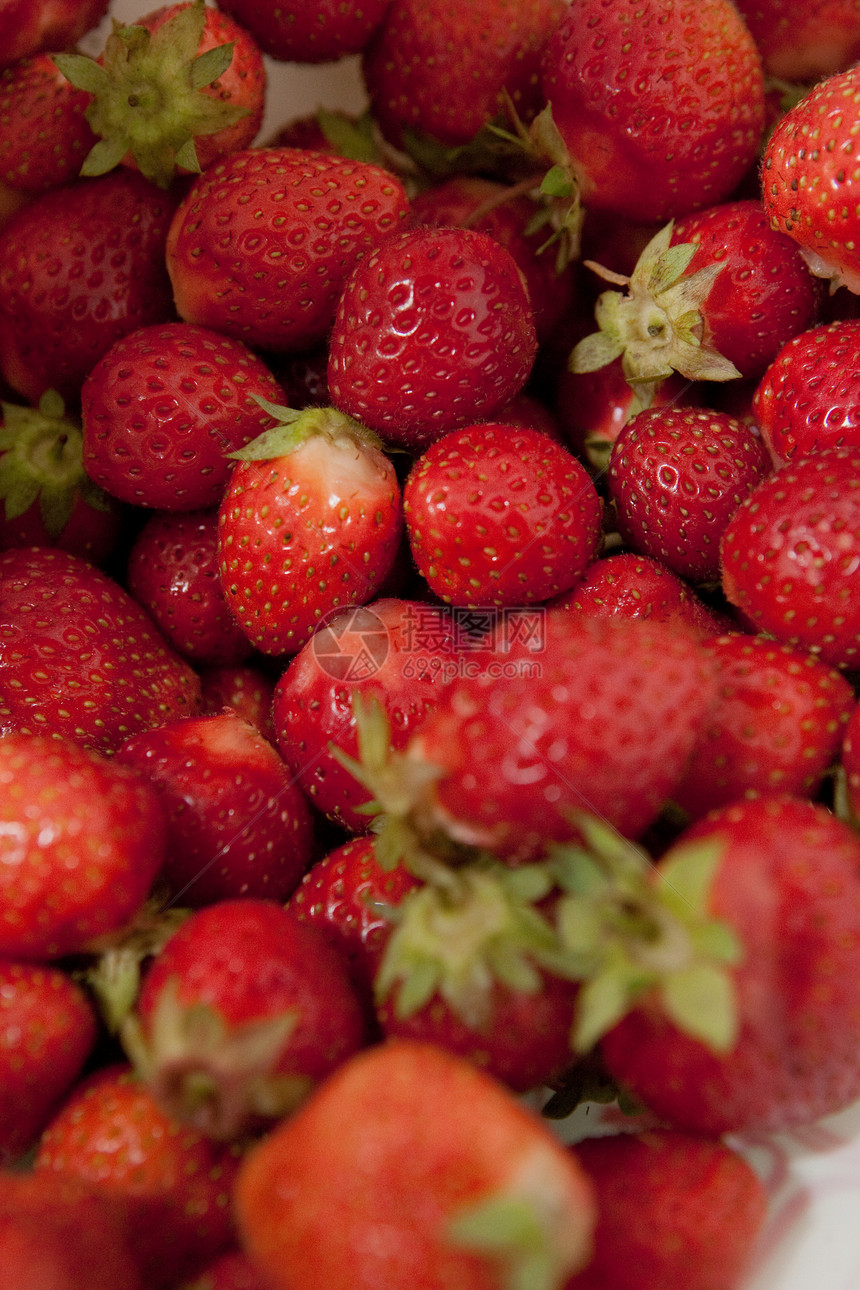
(233, 267)
(82, 266)
(164, 408)
(79, 657)
(500, 516)
(433, 330)
(53, 794)
(787, 882)
(809, 396)
(311, 32)
(244, 687)
(633, 151)
(790, 552)
(45, 135)
(676, 478)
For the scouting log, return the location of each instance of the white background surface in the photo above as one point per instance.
(813, 1237)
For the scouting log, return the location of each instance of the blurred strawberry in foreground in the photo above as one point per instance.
(27, 29)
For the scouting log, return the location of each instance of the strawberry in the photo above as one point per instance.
(435, 68)
(173, 1184)
(27, 29)
(802, 42)
(235, 269)
(233, 1271)
(62, 894)
(245, 688)
(47, 1033)
(777, 725)
(676, 477)
(45, 133)
(790, 553)
(237, 823)
(433, 330)
(851, 766)
(79, 657)
(500, 516)
(809, 396)
(809, 190)
(163, 409)
(620, 134)
(177, 90)
(786, 880)
(471, 1190)
(80, 266)
(240, 1016)
(391, 650)
(310, 521)
(173, 572)
(318, 32)
(672, 1209)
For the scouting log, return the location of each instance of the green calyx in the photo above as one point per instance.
(147, 95)
(294, 428)
(512, 1230)
(658, 326)
(41, 462)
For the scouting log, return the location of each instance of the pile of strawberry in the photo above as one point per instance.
(429, 639)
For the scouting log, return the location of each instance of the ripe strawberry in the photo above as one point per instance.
(676, 477)
(809, 396)
(500, 516)
(47, 1032)
(245, 688)
(786, 881)
(82, 842)
(240, 1016)
(177, 90)
(173, 572)
(237, 823)
(672, 1209)
(80, 266)
(321, 31)
(27, 29)
(163, 409)
(174, 1185)
(310, 521)
(79, 657)
(45, 134)
(630, 149)
(49, 499)
(233, 1271)
(800, 42)
(777, 725)
(433, 330)
(851, 766)
(394, 651)
(235, 269)
(469, 1187)
(441, 69)
(790, 555)
(809, 189)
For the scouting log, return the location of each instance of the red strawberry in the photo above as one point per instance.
(244, 687)
(79, 657)
(790, 555)
(241, 1015)
(233, 1271)
(237, 823)
(441, 69)
(802, 42)
(393, 651)
(672, 1209)
(28, 29)
(47, 1032)
(310, 521)
(809, 396)
(468, 1187)
(777, 725)
(173, 572)
(851, 766)
(173, 1184)
(83, 840)
(500, 516)
(80, 266)
(787, 880)
(809, 188)
(177, 90)
(312, 31)
(676, 477)
(164, 408)
(433, 330)
(630, 149)
(45, 133)
(235, 269)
